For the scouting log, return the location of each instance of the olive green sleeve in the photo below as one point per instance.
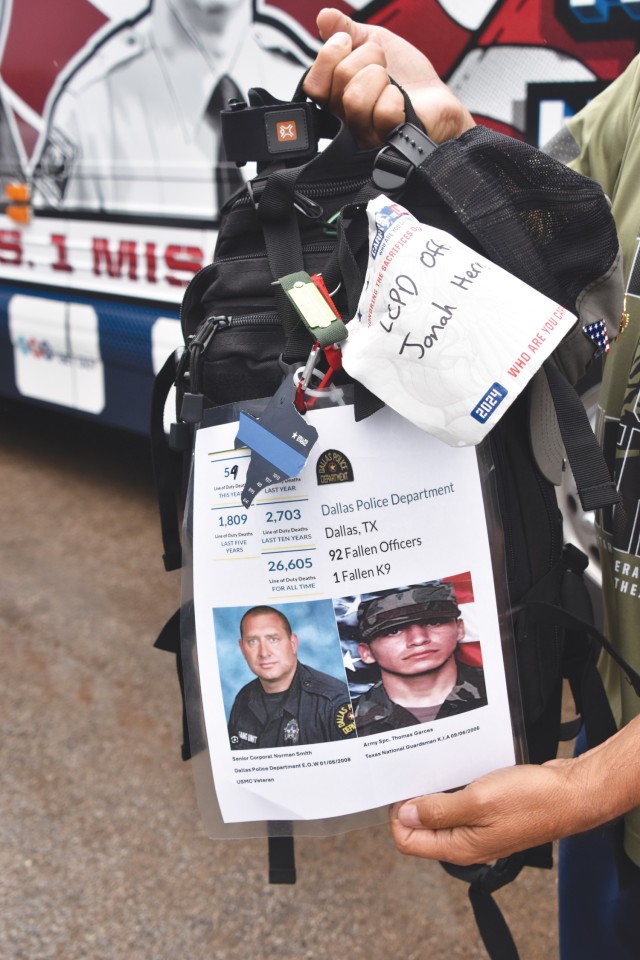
(603, 128)
(607, 134)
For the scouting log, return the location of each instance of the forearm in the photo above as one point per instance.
(609, 775)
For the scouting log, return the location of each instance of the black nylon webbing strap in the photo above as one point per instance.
(282, 863)
(164, 468)
(492, 925)
(595, 487)
(250, 131)
(169, 639)
(483, 880)
(597, 716)
(284, 251)
(547, 613)
(352, 239)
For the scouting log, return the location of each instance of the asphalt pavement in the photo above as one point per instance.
(103, 855)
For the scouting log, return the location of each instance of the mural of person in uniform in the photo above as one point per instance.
(135, 128)
(131, 125)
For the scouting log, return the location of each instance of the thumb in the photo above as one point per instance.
(420, 835)
(436, 811)
(330, 21)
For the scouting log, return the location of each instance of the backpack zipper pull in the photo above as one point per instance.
(307, 207)
(192, 406)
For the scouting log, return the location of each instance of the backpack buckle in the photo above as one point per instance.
(406, 148)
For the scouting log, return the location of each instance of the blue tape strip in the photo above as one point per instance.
(283, 457)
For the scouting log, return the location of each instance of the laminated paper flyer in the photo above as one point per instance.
(371, 670)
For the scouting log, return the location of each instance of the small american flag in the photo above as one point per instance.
(597, 333)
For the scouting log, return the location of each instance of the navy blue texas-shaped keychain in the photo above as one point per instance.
(279, 441)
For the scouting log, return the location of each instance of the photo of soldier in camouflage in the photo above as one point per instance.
(413, 635)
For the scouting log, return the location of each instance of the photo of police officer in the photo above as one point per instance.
(414, 637)
(288, 703)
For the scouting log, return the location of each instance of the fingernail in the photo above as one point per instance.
(339, 40)
(408, 815)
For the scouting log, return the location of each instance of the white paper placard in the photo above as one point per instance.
(443, 335)
(379, 506)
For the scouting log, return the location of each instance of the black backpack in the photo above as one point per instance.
(305, 211)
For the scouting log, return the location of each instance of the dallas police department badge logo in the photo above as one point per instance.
(345, 719)
(291, 733)
(333, 467)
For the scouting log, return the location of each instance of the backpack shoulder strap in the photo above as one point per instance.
(595, 487)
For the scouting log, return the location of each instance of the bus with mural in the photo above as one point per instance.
(111, 173)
